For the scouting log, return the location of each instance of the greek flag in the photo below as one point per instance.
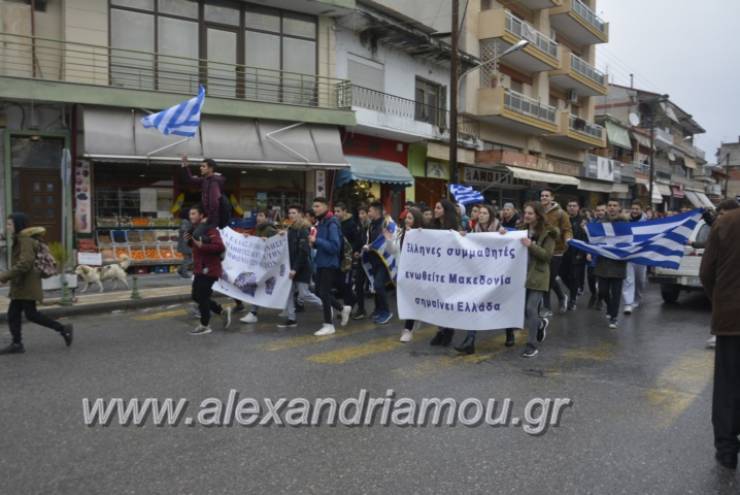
(653, 243)
(182, 120)
(378, 248)
(466, 195)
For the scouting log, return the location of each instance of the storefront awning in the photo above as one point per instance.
(545, 177)
(694, 199)
(642, 140)
(112, 135)
(618, 136)
(704, 199)
(374, 170)
(662, 189)
(590, 185)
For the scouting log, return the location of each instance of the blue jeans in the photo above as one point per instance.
(380, 280)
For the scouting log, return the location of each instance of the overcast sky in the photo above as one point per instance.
(689, 49)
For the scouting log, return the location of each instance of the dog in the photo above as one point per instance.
(98, 275)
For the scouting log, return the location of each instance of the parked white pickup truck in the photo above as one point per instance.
(686, 277)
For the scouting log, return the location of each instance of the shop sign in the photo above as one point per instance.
(83, 210)
(320, 183)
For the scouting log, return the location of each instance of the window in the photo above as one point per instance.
(222, 13)
(431, 103)
(182, 8)
(132, 31)
(177, 38)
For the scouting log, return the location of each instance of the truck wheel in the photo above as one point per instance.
(670, 293)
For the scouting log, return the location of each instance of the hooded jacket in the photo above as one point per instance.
(328, 242)
(211, 188)
(558, 218)
(300, 251)
(207, 257)
(540, 253)
(24, 278)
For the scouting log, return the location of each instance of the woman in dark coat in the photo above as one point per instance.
(25, 283)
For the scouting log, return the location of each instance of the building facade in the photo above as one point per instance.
(728, 163)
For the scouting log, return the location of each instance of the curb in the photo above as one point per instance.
(56, 311)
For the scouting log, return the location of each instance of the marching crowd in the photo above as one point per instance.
(334, 266)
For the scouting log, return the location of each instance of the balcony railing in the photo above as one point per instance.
(589, 16)
(54, 60)
(587, 70)
(378, 101)
(523, 30)
(520, 103)
(580, 125)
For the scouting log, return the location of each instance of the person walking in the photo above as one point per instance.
(720, 276)
(182, 246)
(360, 277)
(557, 218)
(327, 240)
(595, 301)
(487, 222)
(207, 246)
(540, 242)
(445, 218)
(300, 265)
(573, 268)
(636, 279)
(611, 273)
(264, 229)
(413, 220)
(351, 234)
(381, 276)
(25, 283)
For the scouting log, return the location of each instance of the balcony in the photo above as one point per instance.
(577, 132)
(576, 21)
(578, 75)
(498, 29)
(540, 4)
(514, 110)
(94, 74)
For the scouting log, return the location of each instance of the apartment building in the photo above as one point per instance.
(76, 76)
(536, 106)
(728, 165)
(644, 125)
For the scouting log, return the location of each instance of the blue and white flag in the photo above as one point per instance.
(653, 243)
(182, 120)
(466, 195)
(379, 248)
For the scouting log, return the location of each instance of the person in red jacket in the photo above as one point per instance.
(207, 246)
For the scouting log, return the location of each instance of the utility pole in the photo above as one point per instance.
(454, 71)
(652, 156)
(727, 175)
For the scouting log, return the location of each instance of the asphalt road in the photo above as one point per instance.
(639, 420)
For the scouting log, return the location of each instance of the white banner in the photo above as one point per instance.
(475, 282)
(255, 269)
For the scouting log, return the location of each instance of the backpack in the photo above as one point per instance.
(44, 262)
(225, 211)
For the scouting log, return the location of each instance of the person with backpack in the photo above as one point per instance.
(211, 185)
(30, 260)
(326, 238)
(301, 270)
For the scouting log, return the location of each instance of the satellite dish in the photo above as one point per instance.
(634, 119)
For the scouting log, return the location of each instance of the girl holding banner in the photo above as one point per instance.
(414, 220)
(445, 218)
(540, 243)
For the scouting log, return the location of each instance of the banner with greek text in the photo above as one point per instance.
(255, 270)
(472, 282)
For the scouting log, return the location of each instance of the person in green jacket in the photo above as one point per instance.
(25, 283)
(540, 243)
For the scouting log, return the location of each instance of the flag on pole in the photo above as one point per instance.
(181, 120)
(379, 248)
(658, 243)
(466, 195)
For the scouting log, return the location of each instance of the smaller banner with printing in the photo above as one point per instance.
(472, 282)
(255, 270)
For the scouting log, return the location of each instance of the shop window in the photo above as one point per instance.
(431, 103)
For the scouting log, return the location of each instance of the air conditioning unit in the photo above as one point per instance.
(572, 96)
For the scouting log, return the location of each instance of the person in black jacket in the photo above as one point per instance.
(573, 268)
(350, 232)
(509, 216)
(300, 264)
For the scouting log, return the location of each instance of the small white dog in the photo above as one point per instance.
(98, 275)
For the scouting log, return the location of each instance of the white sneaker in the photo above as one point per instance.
(226, 317)
(346, 311)
(406, 336)
(201, 330)
(712, 342)
(628, 309)
(250, 318)
(326, 329)
(283, 314)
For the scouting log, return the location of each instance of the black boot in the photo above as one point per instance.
(447, 338)
(726, 460)
(467, 346)
(14, 348)
(438, 338)
(68, 334)
(510, 341)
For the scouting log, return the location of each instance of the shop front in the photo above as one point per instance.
(131, 192)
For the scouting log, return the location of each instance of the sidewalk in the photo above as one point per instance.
(154, 289)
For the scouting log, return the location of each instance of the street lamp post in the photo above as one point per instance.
(456, 82)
